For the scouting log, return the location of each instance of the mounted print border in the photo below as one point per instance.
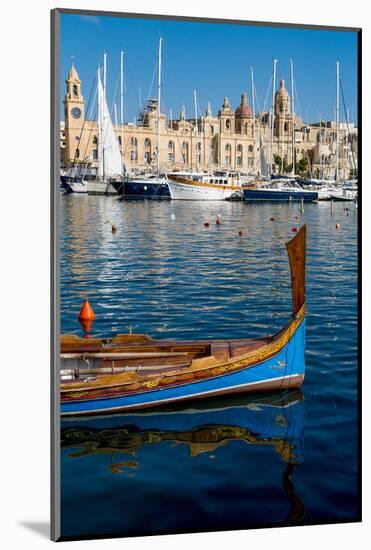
(168, 246)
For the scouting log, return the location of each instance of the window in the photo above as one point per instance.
(198, 146)
(120, 140)
(134, 141)
(147, 157)
(170, 146)
(239, 161)
(212, 130)
(170, 157)
(239, 148)
(95, 154)
(286, 129)
(250, 149)
(75, 89)
(245, 127)
(228, 147)
(227, 123)
(95, 140)
(227, 159)
(184, 146)
(133, 155)
(77, 154)
(147, 143)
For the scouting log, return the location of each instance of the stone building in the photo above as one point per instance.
(231, 140)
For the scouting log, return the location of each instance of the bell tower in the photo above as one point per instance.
(73, 100)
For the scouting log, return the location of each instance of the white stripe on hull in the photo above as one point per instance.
(231, 389)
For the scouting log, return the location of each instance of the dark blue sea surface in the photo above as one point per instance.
(231, 463)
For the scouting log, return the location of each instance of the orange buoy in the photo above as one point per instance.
(240, 233)
(218, 220)
(294, 229)
(114, 228)
(337, 226)
(207, 224)
(86, 316)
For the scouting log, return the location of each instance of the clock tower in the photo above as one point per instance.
(73, 113)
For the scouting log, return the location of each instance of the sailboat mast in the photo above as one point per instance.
(253, 118)
(104, 102)
(122, 107)
(272, 114)
(337, 121)
(293, 118)
(159, 105)
(196, 126)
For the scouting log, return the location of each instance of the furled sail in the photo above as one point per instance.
(263, 161)
(110, 162)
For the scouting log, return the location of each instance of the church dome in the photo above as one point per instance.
(282, 92)
(243, 110)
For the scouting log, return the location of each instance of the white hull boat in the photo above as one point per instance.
(96, 187)
(204, 190)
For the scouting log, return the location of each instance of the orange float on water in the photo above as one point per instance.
(240, 233)
(114, 228)
(218, 220)
(86, 316)
(337, 226)
(207, 224)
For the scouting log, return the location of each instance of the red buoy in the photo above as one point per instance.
(294, 229)
(86, 316)
(337, 226)
(240, 233)
(272, 219)
(114, 228)
(207, 224)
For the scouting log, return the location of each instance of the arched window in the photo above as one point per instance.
(286, 128)
(134, 141)
(239, 148)
(95, 154)
(95, 140)
(75, 89)
(228, 147)
(212, 130)
(227, 123)
(119, 140)
(77, 154)
(198, 146)
(250, 149)
(171, 147)
(133, 155)
(184, 152)
(147, 143)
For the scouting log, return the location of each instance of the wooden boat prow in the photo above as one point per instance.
(134, 371)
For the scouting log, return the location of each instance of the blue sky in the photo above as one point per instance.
(212, 58)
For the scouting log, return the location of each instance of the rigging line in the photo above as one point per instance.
(266, 97)
(347, 123)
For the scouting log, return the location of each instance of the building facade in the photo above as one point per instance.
(234, 139)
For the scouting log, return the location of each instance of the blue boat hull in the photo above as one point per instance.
(283, 370)
(146, 190)
(265, 195)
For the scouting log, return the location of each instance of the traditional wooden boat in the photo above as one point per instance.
(132, 371)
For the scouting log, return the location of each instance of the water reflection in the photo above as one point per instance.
(274, 422)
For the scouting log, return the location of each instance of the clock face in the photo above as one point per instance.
(76, 112)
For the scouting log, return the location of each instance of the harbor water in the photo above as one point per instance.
(229, 463)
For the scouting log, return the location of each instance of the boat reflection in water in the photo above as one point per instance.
(128, 463)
